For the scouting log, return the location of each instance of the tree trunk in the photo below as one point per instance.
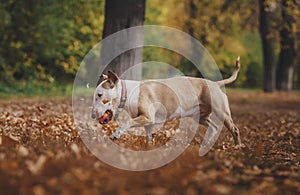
(267, 37)
(120, 15)
(192, 11)
(298, 57)
(288, 54)
(298, 48)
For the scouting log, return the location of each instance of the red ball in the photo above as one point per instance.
(107, 116)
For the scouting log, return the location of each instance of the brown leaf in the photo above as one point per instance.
(259, 149)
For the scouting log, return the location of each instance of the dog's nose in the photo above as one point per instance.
(93, 115)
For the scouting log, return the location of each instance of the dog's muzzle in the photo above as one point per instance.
(107, 116)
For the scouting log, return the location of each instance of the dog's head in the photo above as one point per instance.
(106, 98)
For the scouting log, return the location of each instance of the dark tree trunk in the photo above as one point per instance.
(119, 15)
(288, 54)
(298, 48)
(298, 57)
(267, 37)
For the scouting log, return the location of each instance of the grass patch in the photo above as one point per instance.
(26, 89)
(256, 90)
(56, 90)
(246, 90)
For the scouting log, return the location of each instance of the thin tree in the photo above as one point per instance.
(298, 46)
(288, 53)
(298, 57)
(298, 51)
(267, 37)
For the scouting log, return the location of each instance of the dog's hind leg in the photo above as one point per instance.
(210, 137)
(204, 120)
(233, 129)
(136, 122)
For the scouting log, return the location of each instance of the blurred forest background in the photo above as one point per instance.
(44, 41)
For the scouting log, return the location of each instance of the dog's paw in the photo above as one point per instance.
(112, 138)
(117, 134)
(239, 146)
(151, 141)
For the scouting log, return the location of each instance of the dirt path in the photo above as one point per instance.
(41, 153)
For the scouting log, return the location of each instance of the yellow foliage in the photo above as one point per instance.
(16, 45)
(65, 65)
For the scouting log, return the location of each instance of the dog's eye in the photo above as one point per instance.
(105, 101)
(99, 95)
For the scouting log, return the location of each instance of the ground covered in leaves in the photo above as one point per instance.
(41, 153)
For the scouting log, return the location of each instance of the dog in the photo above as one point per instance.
(150, 103)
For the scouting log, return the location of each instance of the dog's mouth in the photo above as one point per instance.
(106, 117)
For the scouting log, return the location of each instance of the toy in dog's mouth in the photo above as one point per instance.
(107, 116)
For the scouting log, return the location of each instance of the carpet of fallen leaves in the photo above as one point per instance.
(41, 153)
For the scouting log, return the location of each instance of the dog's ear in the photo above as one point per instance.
(101, 78)
(113, 77)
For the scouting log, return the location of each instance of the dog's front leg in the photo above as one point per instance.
(119, 131)
(136, 122)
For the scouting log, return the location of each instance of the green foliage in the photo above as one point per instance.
(21, 89)
(46, 40)
(254, 73)
(220, 26)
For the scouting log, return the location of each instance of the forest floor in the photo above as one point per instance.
(42, 153)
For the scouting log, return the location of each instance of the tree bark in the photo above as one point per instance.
(298, 48)
(120, 15)
(192, 11)
(298, 57)
(288, 54)
(267, 37)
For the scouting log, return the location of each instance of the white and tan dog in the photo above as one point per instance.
(152, 102)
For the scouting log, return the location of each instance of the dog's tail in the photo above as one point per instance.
(233, 76)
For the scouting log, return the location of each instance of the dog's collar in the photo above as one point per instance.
(122, 99)
(123, 95)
